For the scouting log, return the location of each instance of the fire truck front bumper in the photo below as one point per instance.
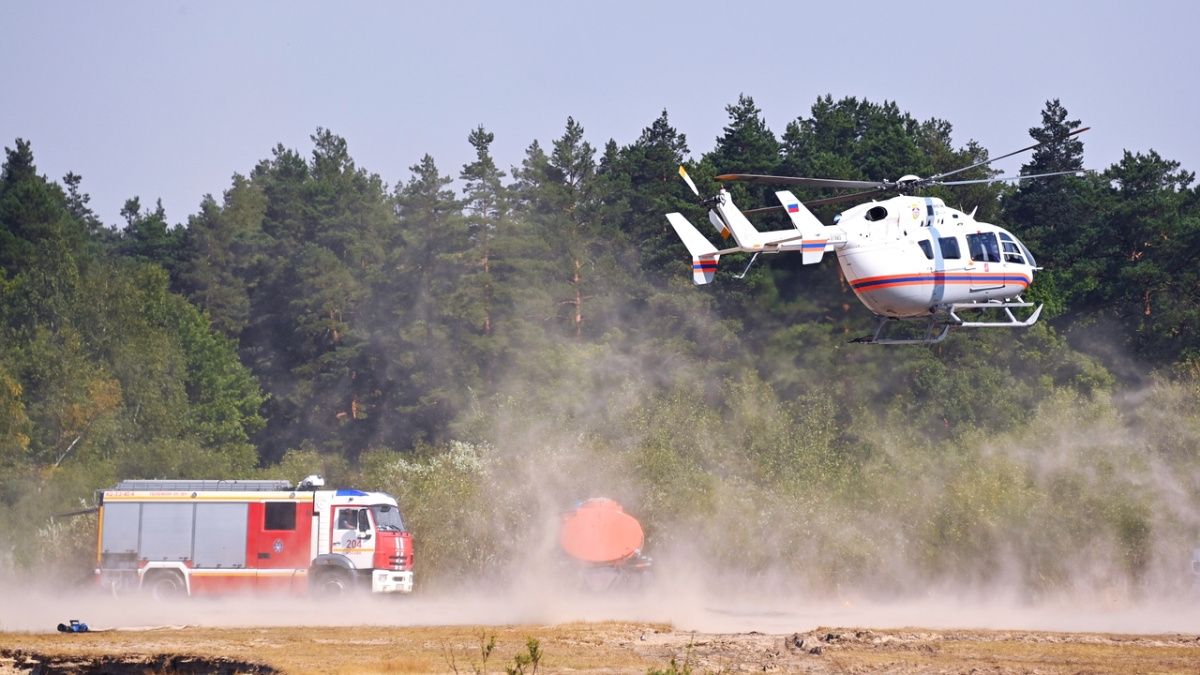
(387, 581)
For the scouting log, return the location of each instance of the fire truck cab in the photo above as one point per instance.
(203, 537)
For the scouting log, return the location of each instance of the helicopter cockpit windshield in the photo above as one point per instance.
(1015, 251)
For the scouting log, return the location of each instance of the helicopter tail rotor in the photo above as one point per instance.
(710, 203)
(688, 179)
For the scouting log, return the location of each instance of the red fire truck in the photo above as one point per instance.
(196, 537)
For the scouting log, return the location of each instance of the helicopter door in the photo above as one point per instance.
(984, 248)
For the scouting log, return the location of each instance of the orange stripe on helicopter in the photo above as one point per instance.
(944, 278)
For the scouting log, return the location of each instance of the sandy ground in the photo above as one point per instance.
(593, 634)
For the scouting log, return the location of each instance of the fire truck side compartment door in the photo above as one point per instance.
(220, 535)
(121, 523)
(166, 531)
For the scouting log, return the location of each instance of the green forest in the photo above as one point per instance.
(493, 345)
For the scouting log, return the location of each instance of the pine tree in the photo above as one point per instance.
(223, 246)
(1151, 236)
(423, 375)
(148, 237)
(557, 198)
(647, 175)
(1055, 217)
(487, 208)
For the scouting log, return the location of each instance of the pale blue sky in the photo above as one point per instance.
(169, 99)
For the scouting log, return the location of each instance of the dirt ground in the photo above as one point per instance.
(664, 629)
(609, 647)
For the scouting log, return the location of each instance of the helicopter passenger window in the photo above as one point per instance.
(983, 247)
(949, 248)
(926, 247)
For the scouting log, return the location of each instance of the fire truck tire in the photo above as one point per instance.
(334, 581)
(164, 585)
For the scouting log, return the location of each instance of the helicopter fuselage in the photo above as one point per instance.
(909, 257)
(905, 257)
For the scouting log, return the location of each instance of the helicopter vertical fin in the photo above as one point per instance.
(814, 242)
(717, 223)
(704, 254)
(744, 232)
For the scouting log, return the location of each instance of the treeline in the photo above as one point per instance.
(315, 315)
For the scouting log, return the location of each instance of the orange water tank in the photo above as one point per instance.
(599, 531)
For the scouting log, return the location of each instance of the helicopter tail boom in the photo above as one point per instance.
(704, 254)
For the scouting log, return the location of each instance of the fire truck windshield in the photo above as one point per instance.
(387, 517)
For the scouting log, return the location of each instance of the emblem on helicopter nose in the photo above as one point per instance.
(916, 212)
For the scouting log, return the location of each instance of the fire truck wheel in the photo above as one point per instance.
(334, 581)
(164, 585)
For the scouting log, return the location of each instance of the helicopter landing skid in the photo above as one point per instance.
(950, 319)
(1010, 321)
(932, 334)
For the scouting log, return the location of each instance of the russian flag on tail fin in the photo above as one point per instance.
(813, 245)
(704, 254)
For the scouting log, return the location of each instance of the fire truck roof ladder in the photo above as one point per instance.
(201, 485)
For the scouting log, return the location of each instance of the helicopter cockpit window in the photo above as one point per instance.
(1012, 250)
(926, 247)
(949, 247)
(1015, 251)
(1012, 254)
(876, 213)
(1028, 256)
(983, 247)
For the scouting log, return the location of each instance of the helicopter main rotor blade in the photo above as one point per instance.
(844, 198)
(796, 180)
(819, 202)
(762, 209)
(933, 179)
(1011, 178)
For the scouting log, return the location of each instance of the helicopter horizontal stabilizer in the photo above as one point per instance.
(814, 242)
(704, 254)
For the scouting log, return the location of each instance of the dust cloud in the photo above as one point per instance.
(1084, 518)
(686, 609)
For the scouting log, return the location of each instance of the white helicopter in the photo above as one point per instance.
(906, 258)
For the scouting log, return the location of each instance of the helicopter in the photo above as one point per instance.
(907, 259)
